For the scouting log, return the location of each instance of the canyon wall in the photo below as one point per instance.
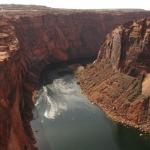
(29, 40)
(118, 80)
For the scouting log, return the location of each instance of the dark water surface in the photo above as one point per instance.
(66, 120)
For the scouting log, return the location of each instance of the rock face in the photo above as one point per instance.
(118, 81)
(31, 39)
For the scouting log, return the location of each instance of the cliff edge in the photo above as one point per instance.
(119, 79)
(31, 38)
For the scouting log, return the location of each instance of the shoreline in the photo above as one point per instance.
(121, 120)
(118, 119)
(118, 111)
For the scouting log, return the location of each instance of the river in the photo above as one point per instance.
(64, 119)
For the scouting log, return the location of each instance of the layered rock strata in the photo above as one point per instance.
(31, 39)
(118, 81)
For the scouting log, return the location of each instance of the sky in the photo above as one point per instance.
(85, 4)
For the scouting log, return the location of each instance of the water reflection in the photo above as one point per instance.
(66, 120)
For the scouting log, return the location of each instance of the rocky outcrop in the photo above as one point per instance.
(118, 81)
(29, 40)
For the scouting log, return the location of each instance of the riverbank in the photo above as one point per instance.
(114, 117)
(117, 94)
(65, 119)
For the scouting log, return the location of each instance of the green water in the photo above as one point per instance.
(64, 119)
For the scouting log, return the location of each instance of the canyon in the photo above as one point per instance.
(33, 37)
(118, 80)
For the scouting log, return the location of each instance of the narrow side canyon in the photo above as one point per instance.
(31, 39)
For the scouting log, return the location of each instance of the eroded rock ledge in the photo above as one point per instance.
(31, 39)
(118, 81)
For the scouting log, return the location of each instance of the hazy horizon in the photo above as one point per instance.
(84, 4)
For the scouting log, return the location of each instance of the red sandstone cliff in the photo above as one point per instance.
(29, 41)
(118, 81)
